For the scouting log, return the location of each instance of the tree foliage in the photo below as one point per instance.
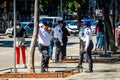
(51, 7)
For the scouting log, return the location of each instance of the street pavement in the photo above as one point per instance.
(102, 71)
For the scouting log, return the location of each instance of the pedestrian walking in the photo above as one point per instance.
(87, 38)
(65, 40)
(51, 40)
(20, 44)
(44, 43)
(58, 40)
(99, 31)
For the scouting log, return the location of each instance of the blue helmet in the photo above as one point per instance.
(86, 22)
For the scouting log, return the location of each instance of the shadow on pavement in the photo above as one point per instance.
(10, 43)
(106, 70)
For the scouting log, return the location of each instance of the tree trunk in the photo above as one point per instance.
(118, 10)
(79, 14)
(108, 26)
(31, 68)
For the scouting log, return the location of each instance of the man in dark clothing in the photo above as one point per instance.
(64, 39)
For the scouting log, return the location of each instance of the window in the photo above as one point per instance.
(30, 25)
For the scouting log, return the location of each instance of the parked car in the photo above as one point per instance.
(53, 20)
(8, 32)
(72, 27)
(68, 22)
(28, 26)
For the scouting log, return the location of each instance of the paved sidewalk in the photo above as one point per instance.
(102, 71)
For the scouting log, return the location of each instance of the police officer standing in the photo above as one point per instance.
(65, 40)
(44, 43)
(87, 38)
(58, 40)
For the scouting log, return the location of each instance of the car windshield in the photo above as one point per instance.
(23, 24)
(68, 22)
(73, 23)
(46, 20)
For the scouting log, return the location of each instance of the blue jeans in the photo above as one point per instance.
(99, 40)
(51, 47)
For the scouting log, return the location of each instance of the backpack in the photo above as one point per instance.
(118, 31)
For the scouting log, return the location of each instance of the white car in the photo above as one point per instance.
(53, 20)
(72, 27)
(9, 32)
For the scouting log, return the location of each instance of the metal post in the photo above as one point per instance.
(14, 8)
(61, 8)
(25, 5)
(105, 45)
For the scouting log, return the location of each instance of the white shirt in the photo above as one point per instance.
(58, 33)
(87, 37)
(44, 37)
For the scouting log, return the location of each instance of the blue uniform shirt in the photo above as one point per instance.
(44, 37)
(58, 33)
(87, 36)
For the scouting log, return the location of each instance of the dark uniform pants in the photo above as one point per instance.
(45, 57)
(88, 56)
(58, 49)
(63, 49)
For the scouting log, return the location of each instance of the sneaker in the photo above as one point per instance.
(88, 71)
(44, 71)
(24, 66)
(79, 66)
(57, 61)
(17, 66)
